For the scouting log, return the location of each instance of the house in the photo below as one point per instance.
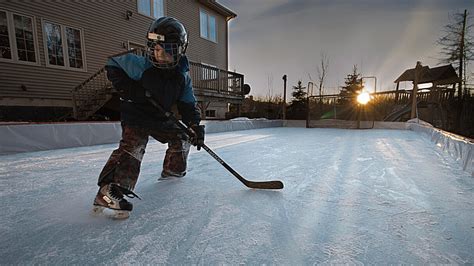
(52, 51)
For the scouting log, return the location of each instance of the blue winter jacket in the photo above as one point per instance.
(134, 75)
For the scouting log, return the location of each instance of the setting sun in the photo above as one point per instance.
(363, 97)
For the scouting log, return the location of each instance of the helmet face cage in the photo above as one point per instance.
(165, 55)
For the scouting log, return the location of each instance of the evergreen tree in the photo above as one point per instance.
(297, 108)
(352, 84)
(299, 94)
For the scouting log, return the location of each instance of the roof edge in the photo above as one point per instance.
(219, 8)
(431, 75)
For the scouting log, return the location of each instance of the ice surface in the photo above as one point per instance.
(350, 196)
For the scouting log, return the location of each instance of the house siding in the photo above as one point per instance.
(105, 31)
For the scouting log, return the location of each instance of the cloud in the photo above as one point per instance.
(286, 8)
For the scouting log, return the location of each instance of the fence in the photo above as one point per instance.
(385, 105)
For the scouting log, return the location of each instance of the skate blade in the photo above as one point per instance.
(172, 177)
(109, 213)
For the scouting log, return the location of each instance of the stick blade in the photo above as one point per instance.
(264, 184)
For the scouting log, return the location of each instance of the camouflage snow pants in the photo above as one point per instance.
(123, 166)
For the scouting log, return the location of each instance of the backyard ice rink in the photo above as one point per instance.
(351, 196)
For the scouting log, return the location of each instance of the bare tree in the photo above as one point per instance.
(322, 71)
(458, 46)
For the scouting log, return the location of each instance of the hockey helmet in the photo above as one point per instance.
(167, 41)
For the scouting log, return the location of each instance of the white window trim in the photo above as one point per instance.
(64, 46)
(208, 14)
(12, 40)
(151, 9)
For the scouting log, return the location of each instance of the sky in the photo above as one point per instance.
(270, 38)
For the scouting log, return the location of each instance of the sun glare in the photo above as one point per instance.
(363, 97)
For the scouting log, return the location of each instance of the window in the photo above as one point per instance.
(64, 46)
(208, 26)
(74, 47)
(5, 47)
(203, 19)
(25, 42)
(54, 44)
(210, 113)
(17, 38)
(151, 8)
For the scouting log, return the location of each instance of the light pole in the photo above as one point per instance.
(284, 97)
(308, 94)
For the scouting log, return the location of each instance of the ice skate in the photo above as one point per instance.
(168, 175)
(110, 202)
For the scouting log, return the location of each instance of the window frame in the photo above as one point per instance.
(64, 46)
(12, 39)
(208, 29)
(152, 9)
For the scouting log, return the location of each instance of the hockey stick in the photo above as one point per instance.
(248, 183)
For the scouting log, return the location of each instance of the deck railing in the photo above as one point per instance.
(210, 79)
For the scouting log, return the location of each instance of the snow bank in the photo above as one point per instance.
(461, 148)
(36, 137)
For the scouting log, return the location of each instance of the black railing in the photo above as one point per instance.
(215, 80)
(89, 96)
(404, 96)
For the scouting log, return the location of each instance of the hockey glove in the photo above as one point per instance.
(197, 139)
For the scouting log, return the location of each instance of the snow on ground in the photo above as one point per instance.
(350, 196)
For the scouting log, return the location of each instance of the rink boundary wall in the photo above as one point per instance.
(459, 147)
(16, 138)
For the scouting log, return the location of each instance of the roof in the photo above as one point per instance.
(440, 75)
(219, 8)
